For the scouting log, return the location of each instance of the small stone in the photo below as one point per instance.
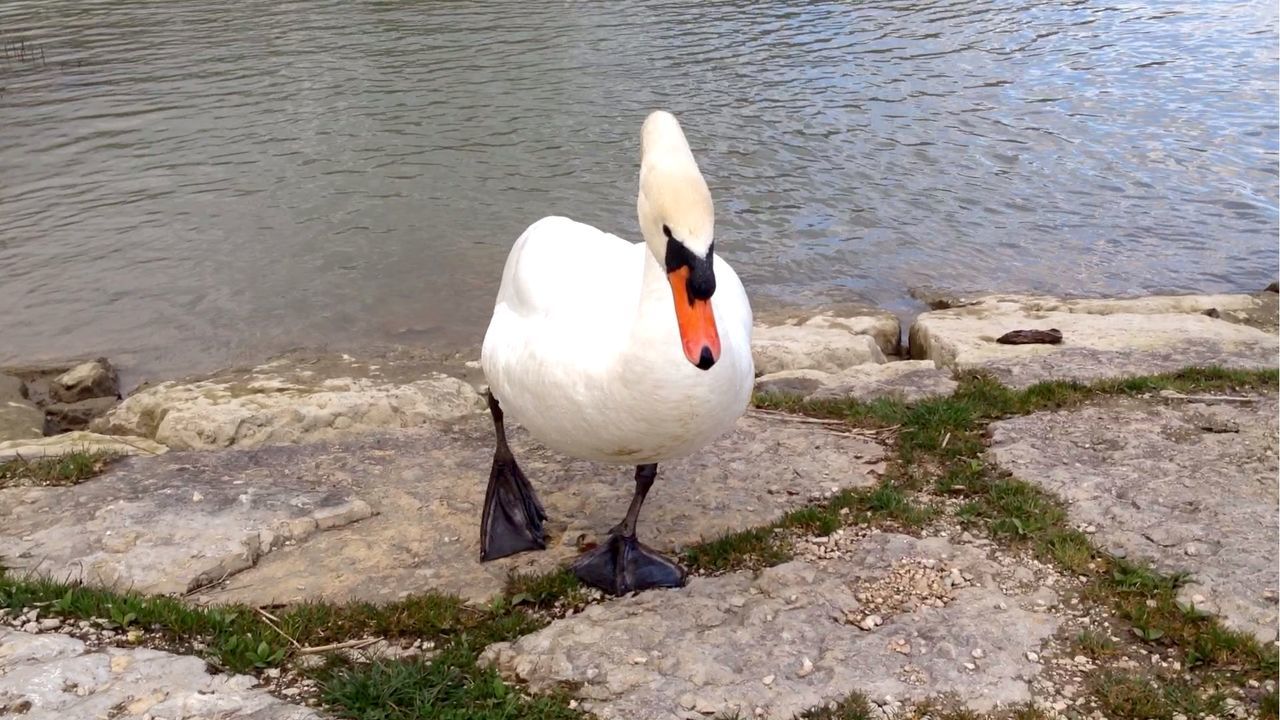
(970, 666)
(767, 680)
(50, 624)
(291, 692)
(978, 653)
(1090, 529)
(31, 627)
(639, 660)
(688, 701)
(871, 622)
(806, 668)
(1032, 656)
(1080, 660)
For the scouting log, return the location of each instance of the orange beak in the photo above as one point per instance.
(697, 324)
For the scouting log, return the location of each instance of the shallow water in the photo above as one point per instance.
(188, 183)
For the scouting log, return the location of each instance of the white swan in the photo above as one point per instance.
(616, 352)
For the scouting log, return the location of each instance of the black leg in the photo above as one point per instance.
(512, 520)
(623, 564)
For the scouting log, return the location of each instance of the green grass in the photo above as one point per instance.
(238, 638)
(69, 469)
(448, 687)
(1094, 644)
(1132, 694)
(854, 707)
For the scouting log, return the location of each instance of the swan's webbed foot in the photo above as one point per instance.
(623, 564)
(512, 519)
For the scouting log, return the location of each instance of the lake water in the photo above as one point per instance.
(186, 184)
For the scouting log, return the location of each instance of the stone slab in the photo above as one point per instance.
(906, 380)
(881, 325)
(1186, 486)
(140, 525)
(789, 639)
(1101, 338)
(56, 677)
(286, 401)
(799, 347)
(161, 526)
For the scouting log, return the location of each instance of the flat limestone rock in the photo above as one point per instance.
(777, 644)
(428, 490)
(159, 525)
(1185, 486)
(907, 380)
(56, 677)
(286, 401)
(1101, 338)
(881, 325)
(78, 441)
(800, 347)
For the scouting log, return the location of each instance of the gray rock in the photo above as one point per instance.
(1101, 338)
(1154, 477)
(907, 380)
(285, 401)
(801, 347)
(164, 532)
(20, 419)
(139, 526)
(881, 325)
(701, 650)
(55, 677)
(67, 417)
(93, 379)
(79, 441)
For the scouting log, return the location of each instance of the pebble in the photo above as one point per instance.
(806, 668)
(767, 680)
(970, 666)
(871, 622)
(50, 624)
(1032, 656)
(978, 653)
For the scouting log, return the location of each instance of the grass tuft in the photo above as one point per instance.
(1139, 695)
(853, 707)
(69, 469)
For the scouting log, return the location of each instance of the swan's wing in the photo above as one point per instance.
(562, 270)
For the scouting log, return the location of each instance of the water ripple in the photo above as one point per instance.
(192, 182)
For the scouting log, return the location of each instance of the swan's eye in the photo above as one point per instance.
(700, 280)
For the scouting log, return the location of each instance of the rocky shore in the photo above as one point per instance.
(344, 479)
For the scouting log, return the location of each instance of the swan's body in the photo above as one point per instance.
(617, 353)
(583, 349)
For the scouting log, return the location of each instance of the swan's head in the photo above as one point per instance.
(678, 222)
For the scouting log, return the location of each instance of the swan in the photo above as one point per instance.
(618, 353)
